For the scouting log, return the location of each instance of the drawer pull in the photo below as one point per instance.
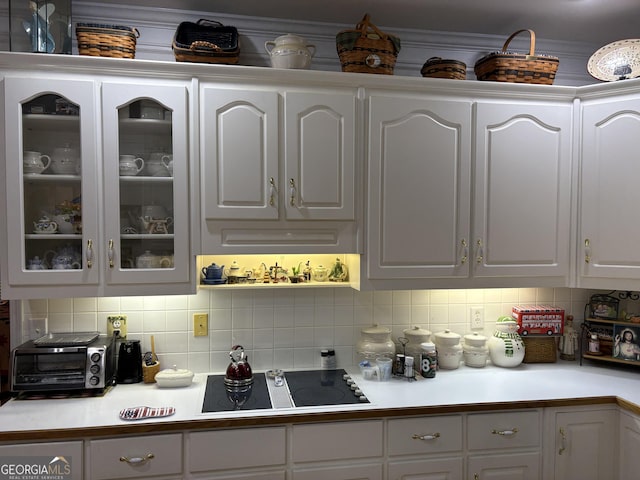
(563, 438)
(506, 433)
(428, 436)
(137, 460)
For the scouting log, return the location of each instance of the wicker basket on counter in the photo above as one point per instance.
(505, 66)
(367, 49)
(437, 67)
(149, 372)
(540, 350)
(98, 40)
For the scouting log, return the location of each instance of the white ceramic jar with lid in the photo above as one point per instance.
(475, 350)
(290, 51)
(415, 337)
(375, 341)
(449, 349)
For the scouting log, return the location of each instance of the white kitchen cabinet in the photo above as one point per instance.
(149, 456)
(64, 459)
(423, 167)
(504, 445)
(263, 196)
(247, 453)
(608, 256)
(351, 472)
(581, 443)
(418, 203)
(428, 469)
(99, 253)
(628, 445)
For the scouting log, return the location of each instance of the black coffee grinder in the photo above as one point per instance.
(130, 362)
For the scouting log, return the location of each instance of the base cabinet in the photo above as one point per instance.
(514, 466)
(65, 458)
(583, 442)
(432, 469)
(629, 446)
(351, 472)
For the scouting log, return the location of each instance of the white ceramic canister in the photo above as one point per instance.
(415, 336)
(506, 347)
(290, 51)
(449, 349)
(374, 342)
(475, 350)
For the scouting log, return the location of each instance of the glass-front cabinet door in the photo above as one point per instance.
(51, 182)
(145, 167)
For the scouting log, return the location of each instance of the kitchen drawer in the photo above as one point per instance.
(425, 435)
(352, 472)
(487, 431)
(227, 449)
(69, 454)
(106, 457)
(334, 441)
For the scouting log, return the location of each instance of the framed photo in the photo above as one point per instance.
(626, 344)
(603, 306)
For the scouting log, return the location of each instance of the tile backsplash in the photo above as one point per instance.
(285, 327)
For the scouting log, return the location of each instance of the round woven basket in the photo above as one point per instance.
(436, 67)
(99, 40)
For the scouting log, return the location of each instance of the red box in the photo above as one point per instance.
(538, 319)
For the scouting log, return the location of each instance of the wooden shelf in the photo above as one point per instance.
(612, 322)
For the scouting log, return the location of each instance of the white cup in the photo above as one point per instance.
(384, 364)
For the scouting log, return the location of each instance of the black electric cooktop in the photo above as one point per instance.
(308, 388)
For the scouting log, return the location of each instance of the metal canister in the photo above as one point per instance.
(428, 360)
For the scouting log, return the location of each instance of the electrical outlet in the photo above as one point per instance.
(200, 324)
(476, 317)
(117, 324)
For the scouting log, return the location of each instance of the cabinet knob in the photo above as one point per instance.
(137, 460)
(428, 436)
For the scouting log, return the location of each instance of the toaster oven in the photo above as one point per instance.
(63, 362)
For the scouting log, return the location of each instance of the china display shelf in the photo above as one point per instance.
(147, 236)
(144, 125)
(53, 236)
(32, 121)
(278, 285)
(145, 179)
(49, 178)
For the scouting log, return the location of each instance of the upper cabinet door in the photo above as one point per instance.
(51, 183)
(320, 155)
(239, 158)
(522, 190)
(419, 187)
(146, 183)
(609, 194)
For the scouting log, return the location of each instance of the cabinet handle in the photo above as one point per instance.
(465, 251)
(506, 433)
(476, 476)
(563, 438)
(110, 253)
(89, 254)
(428, 436)
(480, 251)
(587, 250)
(137, 460)
(272, 191)
(292, 192)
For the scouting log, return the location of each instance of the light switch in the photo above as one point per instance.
(200, 324)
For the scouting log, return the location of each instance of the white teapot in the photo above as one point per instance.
(290, 51)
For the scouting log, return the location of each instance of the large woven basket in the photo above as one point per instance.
(206, 41)
(99, 40)
(505, 66)
(367, 49)
(540, 350)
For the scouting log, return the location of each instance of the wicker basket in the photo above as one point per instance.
(367, 49)
(99, 40)
(206, 41)
(540, 350)
(436, 67)
(511, 67)
(149, 372)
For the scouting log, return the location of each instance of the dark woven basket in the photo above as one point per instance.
(511, 67)
(436, 67)
(206, 41)
(540, 349)
(98, 40)
(367, 49)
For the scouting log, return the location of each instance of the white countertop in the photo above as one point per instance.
(462, 387)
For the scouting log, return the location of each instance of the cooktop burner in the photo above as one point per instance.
(308, 388)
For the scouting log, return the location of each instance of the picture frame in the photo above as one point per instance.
(626, 343)
(603, 306)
